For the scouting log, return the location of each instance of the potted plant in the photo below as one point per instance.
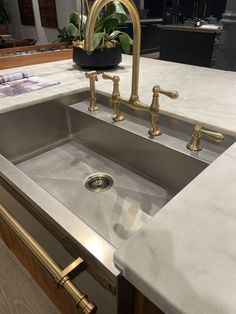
(5, 18)
(108, 41)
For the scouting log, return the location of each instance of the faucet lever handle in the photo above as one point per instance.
(173, 94)
(215, 136)
(109, 76)
(92, 75)
(195, 145)
(115, 79)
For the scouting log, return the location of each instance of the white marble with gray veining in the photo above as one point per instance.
(206, 95)
(184, 259)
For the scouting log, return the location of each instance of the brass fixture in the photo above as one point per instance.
(61, 276)
(72, 270)
(133, 101)
(92, 76)
(198, 131)
(138, 105)
(90, 24)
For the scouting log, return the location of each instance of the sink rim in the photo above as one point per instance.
(57, 214)
(38, 197)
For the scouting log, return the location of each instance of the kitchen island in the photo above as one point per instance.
(183, 258)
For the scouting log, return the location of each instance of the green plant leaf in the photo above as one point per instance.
(74, 17)
(125, 43)
(115, 34)
(97, 38)
(71, 28)
(99, 26)
(60, 31)
(114, 10)
(110, 25)
(119, 10)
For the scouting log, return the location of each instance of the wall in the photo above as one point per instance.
(43, 35)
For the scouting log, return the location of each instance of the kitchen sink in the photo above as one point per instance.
(110, 175)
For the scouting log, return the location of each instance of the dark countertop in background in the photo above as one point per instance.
(186, 28)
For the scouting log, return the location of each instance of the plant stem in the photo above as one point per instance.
(87, 6)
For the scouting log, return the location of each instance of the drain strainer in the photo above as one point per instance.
(98, 182)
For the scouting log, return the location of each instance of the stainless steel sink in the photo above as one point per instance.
(60, 145)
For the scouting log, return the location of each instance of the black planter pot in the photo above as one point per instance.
(99, 59)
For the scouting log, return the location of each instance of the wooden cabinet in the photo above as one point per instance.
(144, 306)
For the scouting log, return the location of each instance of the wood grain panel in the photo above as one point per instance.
(13, 50)
(19, 293)
(18, 61)
(60, 298)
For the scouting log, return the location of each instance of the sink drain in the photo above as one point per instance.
(98, 182)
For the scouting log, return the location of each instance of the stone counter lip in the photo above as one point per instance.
(206, 95)
(184, 259)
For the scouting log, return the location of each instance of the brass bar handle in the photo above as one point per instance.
(93, 78)
(215, 136)
(49, 264)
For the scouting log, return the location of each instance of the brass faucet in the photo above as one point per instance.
(138, 105)
(92, 76)
(195, 145)
(133, 101)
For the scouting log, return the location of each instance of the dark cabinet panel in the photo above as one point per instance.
(26, 12)
(48, 13)
(187, 47)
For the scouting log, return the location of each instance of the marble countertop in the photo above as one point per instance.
(184, 258)
(206, 95)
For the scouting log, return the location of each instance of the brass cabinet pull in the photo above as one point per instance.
(60, 276)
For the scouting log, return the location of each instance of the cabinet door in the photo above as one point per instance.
(105, 301)
(143, 306)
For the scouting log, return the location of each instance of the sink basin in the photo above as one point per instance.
(112, 176)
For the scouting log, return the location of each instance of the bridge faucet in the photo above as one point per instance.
(133, 101)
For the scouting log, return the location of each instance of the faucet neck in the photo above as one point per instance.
(91, 20)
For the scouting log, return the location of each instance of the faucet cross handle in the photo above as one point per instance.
(195, 145)
(115, 95)
(155, 106)
(92, 76)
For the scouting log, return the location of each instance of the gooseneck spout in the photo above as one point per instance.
(91, 20)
